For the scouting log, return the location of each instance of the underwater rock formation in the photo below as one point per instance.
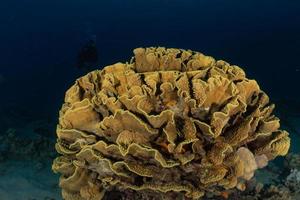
(171, 122)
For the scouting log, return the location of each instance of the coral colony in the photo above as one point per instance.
(170, 122)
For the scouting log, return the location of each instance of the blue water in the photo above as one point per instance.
(39, 41)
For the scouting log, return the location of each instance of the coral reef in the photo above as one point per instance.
(292, 161)
(293, 181)
(171, 124)
(288, 189)
(26, 154)
(38, 147)
(268, 193)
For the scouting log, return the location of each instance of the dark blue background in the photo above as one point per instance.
(39, 41)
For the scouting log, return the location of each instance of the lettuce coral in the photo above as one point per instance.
(170, 121)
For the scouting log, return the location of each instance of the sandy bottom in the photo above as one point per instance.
(24, 180)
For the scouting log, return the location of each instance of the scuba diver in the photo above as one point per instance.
(88, 54)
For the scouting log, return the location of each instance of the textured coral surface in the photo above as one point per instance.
(172, 122)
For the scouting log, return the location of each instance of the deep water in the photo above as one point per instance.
(39, 42)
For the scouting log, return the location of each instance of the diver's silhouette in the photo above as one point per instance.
(88, 55)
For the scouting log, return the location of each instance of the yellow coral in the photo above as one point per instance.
(170, 120)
